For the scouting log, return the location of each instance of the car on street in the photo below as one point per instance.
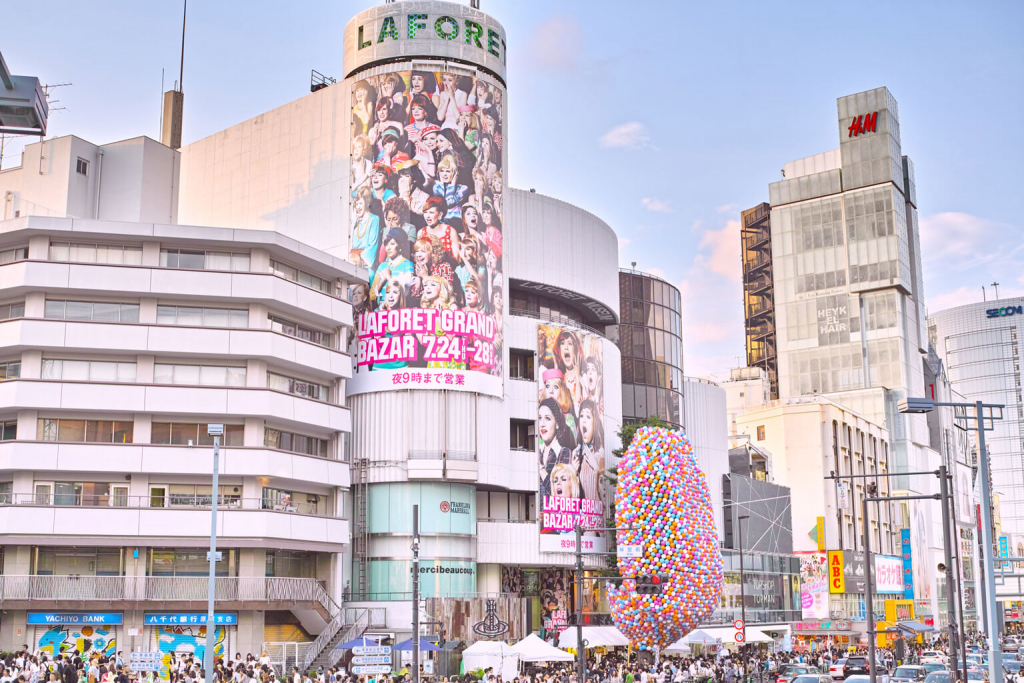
(836, 668)
(932, 668)
(909, 674)
(977, 674)
(937, 677)
(790, 671)
(1012, 667)
(933, 657)
(813, 678)
(880, 677)
(858, 664)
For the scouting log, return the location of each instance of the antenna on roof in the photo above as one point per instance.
(995, 285)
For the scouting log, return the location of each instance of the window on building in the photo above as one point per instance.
(195, 495)
(521, 435)
(6, 492)
(188, 562)
(96, 311)
(201, 317)
(294, 329)
(199, 375)
(78, 252)
(293, 501)
(15, 310)
(181, 433)
(10, 369)
(82, 167)
(81, 493)
(521, 364)
(499, 506)
(85, 431)
(299, 564)
(88, 370)
(299, 387)
(760, 433)
(301, 277)
(200, 259)
(295, 443)
(9, 430)
(12, 255)
(78, 561)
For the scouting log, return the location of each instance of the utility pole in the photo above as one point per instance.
(951, 591)
(415, 594)
(209, 661)
(743, 595)
(581, 650)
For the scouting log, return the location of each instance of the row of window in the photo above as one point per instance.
(645, 288)
(166, 434)
(652, 315)
(194, 316)
(192, 259)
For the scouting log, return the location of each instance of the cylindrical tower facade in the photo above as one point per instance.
(481, 355)
(425, 193)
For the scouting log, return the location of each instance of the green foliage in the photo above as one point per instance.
(477, 674)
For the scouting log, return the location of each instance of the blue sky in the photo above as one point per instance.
(663, 118)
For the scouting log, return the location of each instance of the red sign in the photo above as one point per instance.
(445, 507)
(865, 123)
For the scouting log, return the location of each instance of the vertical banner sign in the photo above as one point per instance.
(814, 586)
(1004, 549)
(836, 575)
(843, 495)
(426, 198)
(908, 565)
(570, 438)
(821, 533)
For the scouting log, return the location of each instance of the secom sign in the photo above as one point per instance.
(1004, 312)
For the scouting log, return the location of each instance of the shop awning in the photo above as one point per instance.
(914, 627)
(594, 636)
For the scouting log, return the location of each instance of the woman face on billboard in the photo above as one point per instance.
(567, 351)
(377, 179)
(431, 290)
(360, 206)
(551, 388)
(587, 425)
(393, 295)
(472, 294)
(391, 248)
(592, 378)
(486, 213)
(562, 481)
(432, 215)
(470, 216)
(417, 83)
(418, 113)
(421, 254)
(546, 424)
(445, 172)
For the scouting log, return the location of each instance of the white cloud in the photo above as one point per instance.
(728, 208)
(656, 205)
(555, 45)
(724, 258)
(959, 241)
(625, 135)
(624, 242)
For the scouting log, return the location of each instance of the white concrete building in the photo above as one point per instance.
(123, 335)
(704, 408)
(304, 169)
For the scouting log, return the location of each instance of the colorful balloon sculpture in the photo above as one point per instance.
(664, 497)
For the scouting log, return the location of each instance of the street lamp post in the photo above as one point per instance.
(983, 415)
(216, 431)
(743, 594)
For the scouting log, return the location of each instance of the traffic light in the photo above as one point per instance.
(651, 585)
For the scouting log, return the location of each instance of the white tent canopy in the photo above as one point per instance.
(492, 654)
(711, 636)
(533, 649)
(595, 636)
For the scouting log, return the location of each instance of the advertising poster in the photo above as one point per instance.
(426, 222)
(570, 438)
(919, 522)
(964, 495)
(814, 586)
(908, 564)
(555, 585)
(888, 574)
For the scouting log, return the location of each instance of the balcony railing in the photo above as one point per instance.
(168, 501)
(557, 319)
(165, 588)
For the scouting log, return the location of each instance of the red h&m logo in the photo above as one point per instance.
(863, 124)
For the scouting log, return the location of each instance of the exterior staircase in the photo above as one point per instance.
(323, 652)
